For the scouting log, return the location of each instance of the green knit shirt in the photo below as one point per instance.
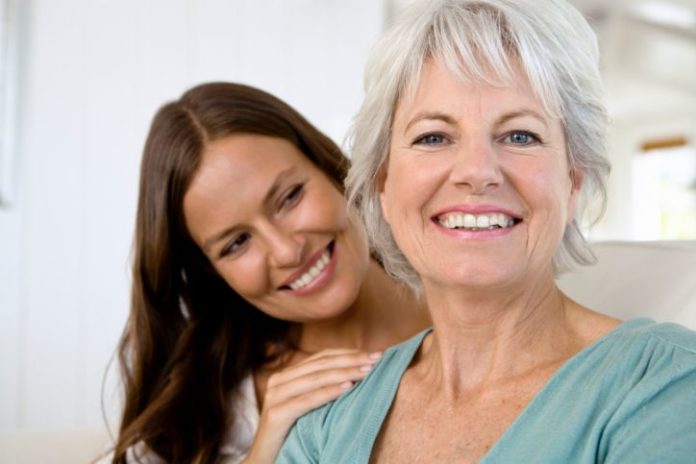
(629, 397)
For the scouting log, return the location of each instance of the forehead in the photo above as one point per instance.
(244, 165)
(241, 154)
(439, 87)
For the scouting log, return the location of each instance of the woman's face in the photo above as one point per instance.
(276, 228)
(477, 188)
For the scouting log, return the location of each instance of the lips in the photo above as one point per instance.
(475, 219)
(310, 271)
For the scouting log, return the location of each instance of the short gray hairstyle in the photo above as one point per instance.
(485, 40)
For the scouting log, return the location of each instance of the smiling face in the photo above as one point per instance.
(276, 228)
(476, 189)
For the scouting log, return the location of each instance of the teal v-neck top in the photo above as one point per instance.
(629, 397)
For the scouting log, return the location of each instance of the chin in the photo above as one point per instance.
(341, 299)
(473, 279)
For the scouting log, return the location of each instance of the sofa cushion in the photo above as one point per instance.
(636, 279)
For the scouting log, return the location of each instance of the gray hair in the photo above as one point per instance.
(485, 40)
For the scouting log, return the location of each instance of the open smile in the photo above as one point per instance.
(310, 275)
(475, 222)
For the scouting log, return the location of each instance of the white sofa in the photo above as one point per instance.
(634, 279)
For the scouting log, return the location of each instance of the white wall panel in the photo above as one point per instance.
(10, 323)
(11, 268)
(53, 229)
(215, 41)
(112, 152)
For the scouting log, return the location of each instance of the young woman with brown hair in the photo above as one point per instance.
(255, 298)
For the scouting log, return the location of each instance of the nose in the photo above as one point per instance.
(285, 249)
(476, 166)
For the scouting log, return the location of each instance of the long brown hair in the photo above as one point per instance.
(190, 339)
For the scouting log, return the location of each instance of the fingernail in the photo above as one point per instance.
(346, 385)
(376, 355)
(365, 368)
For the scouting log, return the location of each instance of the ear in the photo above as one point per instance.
(381, 184)
(576, 180)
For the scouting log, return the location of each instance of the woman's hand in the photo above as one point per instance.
(300, 388)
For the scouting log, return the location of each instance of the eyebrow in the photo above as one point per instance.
(519, 114)
(429, 115)
(270, 194)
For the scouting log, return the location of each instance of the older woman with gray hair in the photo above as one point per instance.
(480, 140)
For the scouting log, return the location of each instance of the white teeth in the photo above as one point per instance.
(476, 221)
(469, 221)
(313, 272)
(483, 222)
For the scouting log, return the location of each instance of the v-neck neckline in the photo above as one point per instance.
(379, 414)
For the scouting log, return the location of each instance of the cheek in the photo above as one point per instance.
(322, 208)
(245, 275)
(552, 200)
(545, 179)
(410, 184)
(551, 204)
(391, 196)
(406, 192)
(566, 199)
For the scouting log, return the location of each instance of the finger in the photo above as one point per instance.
(326, 361)
(288, 411)
(315, 381)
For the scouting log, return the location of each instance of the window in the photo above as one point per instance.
(664, 191)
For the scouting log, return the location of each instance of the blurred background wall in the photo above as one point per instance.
(91, 73)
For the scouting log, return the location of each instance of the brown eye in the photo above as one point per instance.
(234, 246)
(293, 196)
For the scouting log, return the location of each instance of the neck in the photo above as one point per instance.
(368, 324)
(483, 337)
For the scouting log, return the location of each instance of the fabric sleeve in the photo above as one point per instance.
(301, 444)
(661, 425)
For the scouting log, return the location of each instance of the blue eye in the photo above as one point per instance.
(431, 139)
(235, 244)
(521, 138)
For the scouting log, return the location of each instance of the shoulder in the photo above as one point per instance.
(645, 335)
(654, 358)
(641, 340)
(656, 350)
(668, 334)
(655, 393)
(628, 397)
(641, 357)
(356, 412)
